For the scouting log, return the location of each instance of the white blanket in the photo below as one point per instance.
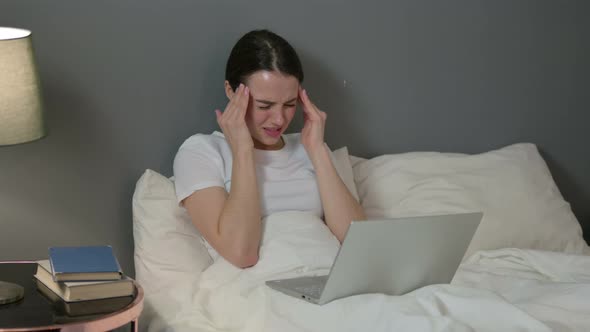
(500, 290)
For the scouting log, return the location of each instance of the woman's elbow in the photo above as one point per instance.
(243, 260)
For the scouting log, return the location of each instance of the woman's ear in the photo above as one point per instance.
(229, 92)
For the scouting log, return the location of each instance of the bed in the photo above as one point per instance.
(526, 269)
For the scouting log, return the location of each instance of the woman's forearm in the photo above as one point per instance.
(340, 207)
(239, 223)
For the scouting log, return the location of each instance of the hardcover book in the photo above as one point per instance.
(82, 308)
(86, 263)
(72, 291)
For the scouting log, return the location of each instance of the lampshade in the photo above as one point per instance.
(21, 107)
(21, 114)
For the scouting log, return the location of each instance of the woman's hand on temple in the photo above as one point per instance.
(233, 121)
(312, 134)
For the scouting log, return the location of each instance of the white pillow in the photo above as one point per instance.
(169, 253)
(512, 186)
(354, 160)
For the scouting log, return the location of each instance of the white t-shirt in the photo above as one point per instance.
(286, 177)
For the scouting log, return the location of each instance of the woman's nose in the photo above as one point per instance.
(278, 118)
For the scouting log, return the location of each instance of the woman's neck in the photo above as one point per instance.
(280, 144)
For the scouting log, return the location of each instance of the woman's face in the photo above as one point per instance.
(271, 107)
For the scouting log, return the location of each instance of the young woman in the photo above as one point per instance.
(228, 182)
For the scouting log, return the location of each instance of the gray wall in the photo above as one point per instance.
(126, 82)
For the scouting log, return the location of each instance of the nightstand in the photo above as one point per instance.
(37, 312)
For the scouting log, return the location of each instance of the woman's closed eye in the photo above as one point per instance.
(267, 107)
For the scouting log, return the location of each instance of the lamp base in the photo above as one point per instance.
(10, 292)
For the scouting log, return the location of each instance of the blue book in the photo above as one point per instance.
(86, 263)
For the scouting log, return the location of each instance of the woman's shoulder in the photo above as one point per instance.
(213, 143)
(215, 139)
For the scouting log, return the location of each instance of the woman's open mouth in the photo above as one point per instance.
(273, 132)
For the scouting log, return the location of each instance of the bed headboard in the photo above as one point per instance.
(125, 82)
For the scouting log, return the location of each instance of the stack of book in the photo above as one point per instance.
(82, 274)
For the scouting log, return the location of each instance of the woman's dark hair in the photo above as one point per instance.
(261, 50)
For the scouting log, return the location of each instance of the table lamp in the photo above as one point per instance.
(21, 113)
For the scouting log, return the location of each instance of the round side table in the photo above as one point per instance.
(38, 312)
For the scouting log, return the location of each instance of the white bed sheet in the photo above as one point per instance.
(498, 290)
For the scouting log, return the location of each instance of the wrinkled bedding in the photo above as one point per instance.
(498, 290)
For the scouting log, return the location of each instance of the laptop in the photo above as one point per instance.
(390, 256)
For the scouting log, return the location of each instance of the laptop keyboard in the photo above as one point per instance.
(314, 290)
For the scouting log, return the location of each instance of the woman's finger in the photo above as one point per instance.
(309, 102)
(243, 102)
(223, 117)
(308, 107)
(235, 100)
(233, 105)
(304, 101)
